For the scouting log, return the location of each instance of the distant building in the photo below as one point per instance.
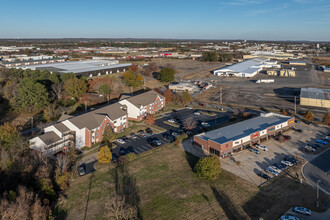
(297, 63)
(288, 73)
(315, 97)
(325, 69)
(183, 86)
(11, 64)
(224, 141)
(247, 68)
(87, 68)
(273, 72)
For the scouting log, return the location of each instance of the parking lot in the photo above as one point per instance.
(247, 164)
(140, 143)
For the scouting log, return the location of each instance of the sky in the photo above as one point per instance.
(175, 19)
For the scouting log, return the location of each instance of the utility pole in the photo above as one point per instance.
(317, 194)
(85, 106)
(220, 95)
(32, 125)
(295, 105)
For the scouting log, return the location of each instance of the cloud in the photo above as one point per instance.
(242, 2)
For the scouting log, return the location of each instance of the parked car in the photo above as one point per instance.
(264, 176)
(133, 135)
(149, 131)
(156, 142)
(171, 120)
(271, 171)
(114, 158)
(122, 151)
(298, 130)
(189, 133)
(126, 139)
(173, 133)
(201, 104)
(322, 142)
(262, 147)
(254, 150)
(120, 141)
(280, 166)
(309, 148)
(205, 124)
(326, 138)
(168, 137)
(197, 113)
(318, 146)
(297, 121)
(291, 159)
(141, 132)
(81, 170)
(302, 210)
(287, 137)
(275, 169)
(289, 217)
(288, 163)
(188, 107)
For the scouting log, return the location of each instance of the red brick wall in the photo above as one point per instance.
(200, 142)
(214, 145)
(88, 138)
(155, 107)
(227, 147)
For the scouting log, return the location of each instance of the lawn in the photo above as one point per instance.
(162, 185)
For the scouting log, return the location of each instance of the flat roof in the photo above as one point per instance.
(244, 128)
(28, 61)
(315, 93)
(79, 66)
(247, 66)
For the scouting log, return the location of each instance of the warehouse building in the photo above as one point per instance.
(247, 68)
(183, 86)
(11, 64)
(87, 68)
(315, 97)
(325, 69)
(233, 138)
(297, 63)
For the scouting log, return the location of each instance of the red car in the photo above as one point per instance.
(201, 104)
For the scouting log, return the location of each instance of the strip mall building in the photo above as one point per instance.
(234, 138)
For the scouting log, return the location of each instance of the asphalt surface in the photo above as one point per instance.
(318, 169)
(140, 144)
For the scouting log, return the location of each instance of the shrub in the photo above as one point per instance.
(130, 156)
(208, 168)
(182, 137)
(326, 118)
(309, 116)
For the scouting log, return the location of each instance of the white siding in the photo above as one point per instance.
(284, 124)
(277, 127)
(37, 144)
(238, 142)
(132, 110)
(52, 128)
(245, 139)
(80, 133)
(263, 132)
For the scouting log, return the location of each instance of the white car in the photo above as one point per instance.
(275, 169)
(289, 217)
(285, 162)
(197, 113)
(302, 210)
(120, 141)
(262, 147)
(188, 107)
(205, 124)
(271, 171)
(171, 120)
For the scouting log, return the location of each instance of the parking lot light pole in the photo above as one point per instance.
(317, 193)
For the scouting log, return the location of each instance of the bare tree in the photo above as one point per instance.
(58, 90)
(189, 123)
(117, 208)
(62, 162)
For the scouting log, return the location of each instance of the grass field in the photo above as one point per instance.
(162, 185)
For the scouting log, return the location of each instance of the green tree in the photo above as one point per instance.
(208, 168)
(9, 135)
(104, 89)
(132, 79)
(65, 76)
(104, 155)
(75, 87)
(210, 56)
(31, 96)
(166, 75)
(109, 136)
(185, 97)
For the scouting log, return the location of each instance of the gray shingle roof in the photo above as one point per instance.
(61, 127)
(50, 137)
(144, 99)
(94, 118)
(243, 129)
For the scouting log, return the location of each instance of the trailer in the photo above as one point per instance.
(265, 81)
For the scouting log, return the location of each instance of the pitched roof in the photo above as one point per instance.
(94, 118)
(61, 127)
(144, 99)
(50, 137)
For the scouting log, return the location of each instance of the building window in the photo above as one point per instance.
(96, 134)
(108, 124)
(102, 132)
(102, 126)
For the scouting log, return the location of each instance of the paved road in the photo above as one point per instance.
(318, 169)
